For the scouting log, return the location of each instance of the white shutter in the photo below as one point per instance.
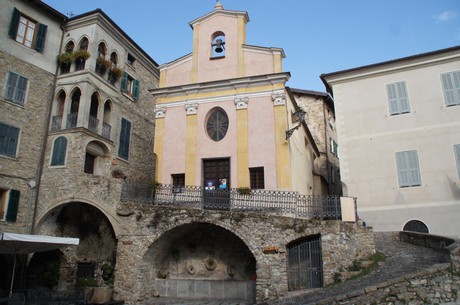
(408, 168)
(457, 157)
(451, 88)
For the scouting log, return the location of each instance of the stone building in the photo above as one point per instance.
(78, 125)
(77, 119)
(320, 118)
(399, 130)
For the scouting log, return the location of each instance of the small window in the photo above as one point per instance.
(398, 100)
(130, 86)
(90, 161)
(217, 124)
(94, 158)
(457, 158)
(9, 204)
(451, 88)
(125, 136)
(416, 226)
(334, 147)
(256, 177)
(131, 59)
(408, 168)
(27, 31)
(178, 181)
(9, 137)
(16, 88)
(59, 151)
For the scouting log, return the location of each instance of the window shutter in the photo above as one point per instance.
(59, 151)
(13, 205)
(457, 157)
(402, 97)
(414, 171)
(20, 92)
(408, 168)
(124, 82)
(41, 35)
(136, 88)
(392, 99)
(14, 23)
(402, 169)
(10, 85)
(451, 87)
(123, 149)
(8, 140)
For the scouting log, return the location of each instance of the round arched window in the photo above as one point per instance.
(217, 124)
(416, 226)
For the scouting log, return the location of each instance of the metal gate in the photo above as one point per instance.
(305, 264)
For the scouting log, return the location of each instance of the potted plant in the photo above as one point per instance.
(114, 74)
(102, 65)
(80, 58)
(64, 60)
(244, 191)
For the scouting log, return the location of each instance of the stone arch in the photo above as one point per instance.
(98, 239)
(69, 46)
(96, 158)
(47, 212)
(83, 44)
(58, 109)
(94, 111)
(102, 49)
(199, 253)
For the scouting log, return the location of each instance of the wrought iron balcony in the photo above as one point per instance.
(106, 130)
(72, 120)
(56, 124)
(92, 123)
(284, 203)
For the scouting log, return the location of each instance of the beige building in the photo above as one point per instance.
(398, 125)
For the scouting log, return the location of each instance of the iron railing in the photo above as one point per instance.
(286, 203)
(93, 122)
(57, 122)
(72, 120)
(106, 130)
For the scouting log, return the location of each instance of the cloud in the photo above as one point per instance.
(445, 16)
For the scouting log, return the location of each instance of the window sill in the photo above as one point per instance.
(14, 104)
(128, 96)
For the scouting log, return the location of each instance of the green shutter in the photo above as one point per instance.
(124, 82)
(59, 151)
(41, 35)
(125, 133)
(13, 205)
(14, 23)
(10, 86)
(136, 86)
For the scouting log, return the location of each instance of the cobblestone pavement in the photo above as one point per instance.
(401, 259)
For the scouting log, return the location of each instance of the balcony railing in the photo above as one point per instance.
(92, 123)
(72, 120)
(284, 203)
(106, 130)
(56, 124)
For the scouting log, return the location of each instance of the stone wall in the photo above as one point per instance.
(30, 118)
(435, 285)
(149, 226)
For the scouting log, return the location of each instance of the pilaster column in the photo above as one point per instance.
(283, 164)
(241, 104)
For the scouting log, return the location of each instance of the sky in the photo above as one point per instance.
(318, 36)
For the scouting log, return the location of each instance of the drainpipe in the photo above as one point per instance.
(46, 134)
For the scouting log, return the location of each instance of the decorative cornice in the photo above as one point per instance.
(241, 102)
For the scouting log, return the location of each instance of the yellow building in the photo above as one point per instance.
(223, 113)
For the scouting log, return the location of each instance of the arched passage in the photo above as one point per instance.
(204, 257)
(97, 250)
